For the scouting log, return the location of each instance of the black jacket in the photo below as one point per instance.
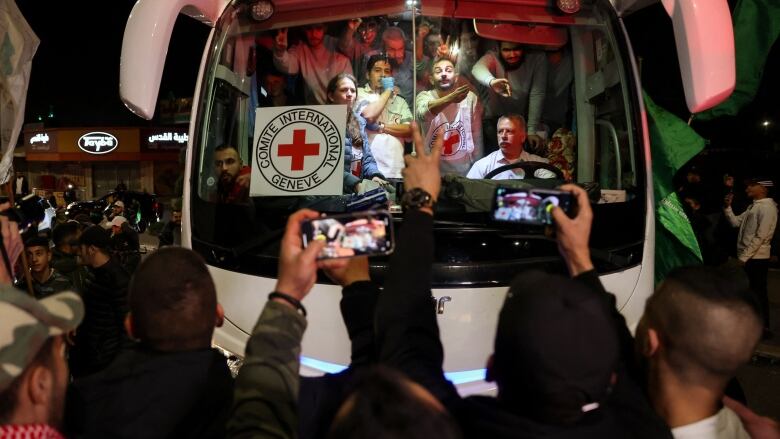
(319, 398)
(150, 394)
(102, 333)
(69, 267)
(407, 336)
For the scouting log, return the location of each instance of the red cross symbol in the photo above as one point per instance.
(450, 142)
(298, 150)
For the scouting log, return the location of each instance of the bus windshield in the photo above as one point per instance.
(534, 99)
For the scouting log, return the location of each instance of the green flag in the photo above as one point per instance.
(672, 144)
(756, 27)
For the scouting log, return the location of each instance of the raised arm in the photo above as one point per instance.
(286, 61)
(406, 328)
(265, 401)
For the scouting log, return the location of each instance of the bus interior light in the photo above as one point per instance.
(568, 6)
(262, 10)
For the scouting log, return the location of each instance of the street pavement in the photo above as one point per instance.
(760, 379)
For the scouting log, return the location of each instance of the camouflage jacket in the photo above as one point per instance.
(265, 404)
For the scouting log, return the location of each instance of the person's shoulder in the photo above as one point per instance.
(536, 158)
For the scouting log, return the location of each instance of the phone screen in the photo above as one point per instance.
(529, 206)
(356, 234)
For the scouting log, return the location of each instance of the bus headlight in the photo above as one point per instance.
(262, 10)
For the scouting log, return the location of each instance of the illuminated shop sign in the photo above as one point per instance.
(98, 143)
(39, 138)
(161, 140)
(180, 138)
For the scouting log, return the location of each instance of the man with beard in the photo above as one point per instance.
(33, 369)
(316, 60)
(517, 83)
(233, 185)
(171, 233)
(511, 135)
(454, 113)
(365, 45)
(394, 40)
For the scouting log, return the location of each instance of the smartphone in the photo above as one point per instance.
(530, 206)
(366, 233)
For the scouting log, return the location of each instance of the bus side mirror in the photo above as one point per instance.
(705, 50)
(145, 46)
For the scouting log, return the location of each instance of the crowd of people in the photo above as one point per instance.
(735, 223)
(564, 362)
(462, 95)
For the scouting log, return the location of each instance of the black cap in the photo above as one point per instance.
(556, 348)
(95, 235)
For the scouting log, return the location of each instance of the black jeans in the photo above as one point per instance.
(757, 270)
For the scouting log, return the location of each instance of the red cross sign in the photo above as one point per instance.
(298, 150)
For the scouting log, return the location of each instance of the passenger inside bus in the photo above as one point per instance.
(471, 83)
(388, 115)
(453, 112)
(359, 163)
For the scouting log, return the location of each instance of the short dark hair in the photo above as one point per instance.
(384, 406)
(37, 241)
(225, 146)
(63, 232)
(708, 321)
(9, 397)
(375, 59)
(173, 301)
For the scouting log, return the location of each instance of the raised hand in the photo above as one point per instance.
(501, 86)
(346, 272)
(422, 170)
(353, 24)
(297, 266)
(573, 234)
(459, 94)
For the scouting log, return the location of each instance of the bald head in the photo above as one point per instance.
(707, 321)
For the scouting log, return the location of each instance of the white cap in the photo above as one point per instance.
(117, 221)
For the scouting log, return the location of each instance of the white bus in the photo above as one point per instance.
(593, 128)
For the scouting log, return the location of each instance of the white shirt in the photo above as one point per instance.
(756, 228)
(724, 425)
(496, 159)
(388, 150)
(461, 126)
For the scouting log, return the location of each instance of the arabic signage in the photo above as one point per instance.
(41, 141)
(163, 140)
(98, 142)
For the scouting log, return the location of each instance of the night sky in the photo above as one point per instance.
(76, 71)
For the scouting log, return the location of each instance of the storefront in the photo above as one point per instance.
(96, 160)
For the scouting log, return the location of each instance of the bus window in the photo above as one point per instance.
(515, 108)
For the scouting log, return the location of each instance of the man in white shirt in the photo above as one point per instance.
(454, 113)
(756, 228)
(316, 59)
(700, 326)
(388, 115)
(511, 135)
